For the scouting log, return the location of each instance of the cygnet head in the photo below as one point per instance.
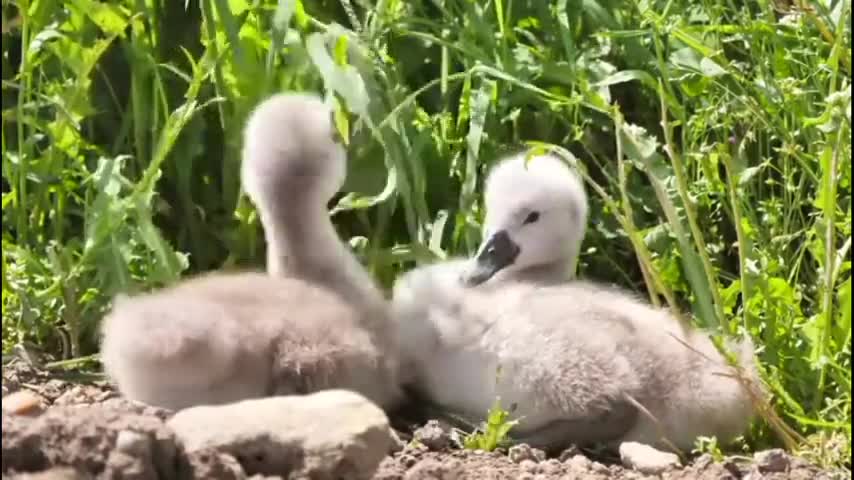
(291, 148)
(536, 215)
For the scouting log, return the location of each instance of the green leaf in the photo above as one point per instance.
(710, 68)
(624, 76)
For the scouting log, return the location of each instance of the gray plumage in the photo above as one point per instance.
(314, 321)
(573, 355)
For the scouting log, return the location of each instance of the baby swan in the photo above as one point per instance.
(314, 321)
(536, 202)
(539, 203)
(572, 357)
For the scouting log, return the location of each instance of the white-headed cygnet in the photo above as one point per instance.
(571, 357)
(314, 321)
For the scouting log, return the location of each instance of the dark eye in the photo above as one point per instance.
(531, 218)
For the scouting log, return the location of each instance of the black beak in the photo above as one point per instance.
(496, 254)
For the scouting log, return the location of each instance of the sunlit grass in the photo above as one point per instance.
(714, 139)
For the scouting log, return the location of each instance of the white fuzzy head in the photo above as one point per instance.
(291, 152)
(536, 216)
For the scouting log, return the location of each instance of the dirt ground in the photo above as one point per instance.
(84, 426)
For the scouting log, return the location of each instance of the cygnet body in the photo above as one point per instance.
(314, 321)
(570, 356)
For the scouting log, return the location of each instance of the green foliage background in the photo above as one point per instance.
(714, 136)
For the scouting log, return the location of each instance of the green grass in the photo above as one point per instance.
(493, 433)
(714, 137)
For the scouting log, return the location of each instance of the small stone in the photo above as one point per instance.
(518, 453)
(526, 476)
(646, 459)
(731, 466)
(579, 463)
(703, 461)
(752, 475)
(774, 460)
(53, 389)
(551, 467)
(529, 466)
(539, 455)
(430, 469)
(408, 461)
(415, 447)
(432, 436)
(569, 453)
(23, 402)
(211, 464)
(104, 395)
(597, 467)
(347, 437)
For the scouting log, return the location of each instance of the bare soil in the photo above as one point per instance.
(84, 424)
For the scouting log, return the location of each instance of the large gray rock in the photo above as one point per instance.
(331, 434)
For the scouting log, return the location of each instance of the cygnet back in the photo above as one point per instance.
(304, 326)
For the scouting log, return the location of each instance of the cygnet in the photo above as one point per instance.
(314, 321)
(572, 358)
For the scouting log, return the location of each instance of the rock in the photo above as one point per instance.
(731, 466)
(523, 451)
(703, 461)
(772, 461)
(704, 468)
(120, 403)
(52, 389)
(551, 467)
(597, 467)
(529, 466)
(211, 464)
(60, 473)
(646, 459)
(86, 437)
(23, 402)
(330, 434)
(569, 453)
(578, 464)
(430, 469)
(83, 394)
(408, 461)
(432, 436)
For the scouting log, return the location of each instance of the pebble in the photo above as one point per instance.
(646, 459)
(772, 461)
(529, 466)
(23, 402)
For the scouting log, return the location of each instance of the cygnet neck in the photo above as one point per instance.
(303, 243)
(547, 273)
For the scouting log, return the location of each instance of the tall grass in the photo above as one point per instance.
(714, 137)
